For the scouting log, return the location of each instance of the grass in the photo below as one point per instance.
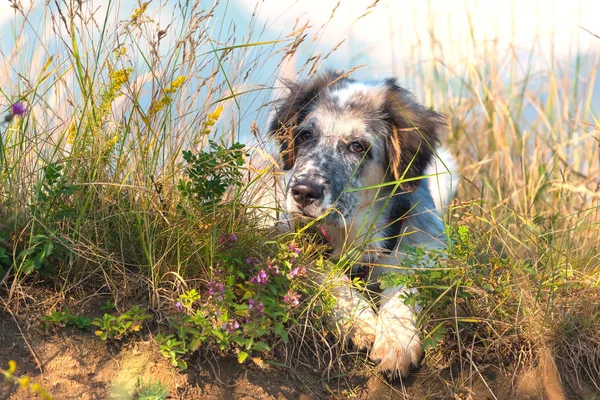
(103, 189)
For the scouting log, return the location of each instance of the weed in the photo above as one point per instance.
(245, 302)
(64, 318)
(211, 173)
(117, 327)
(150, 390)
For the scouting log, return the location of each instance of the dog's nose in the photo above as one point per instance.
(306, 192)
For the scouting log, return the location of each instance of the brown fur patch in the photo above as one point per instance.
(293, 109)
(414, 135)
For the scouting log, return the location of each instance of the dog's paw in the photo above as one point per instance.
(354, 315)
(397, 345)
(362, 330)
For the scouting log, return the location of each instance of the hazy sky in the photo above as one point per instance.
(391, 38)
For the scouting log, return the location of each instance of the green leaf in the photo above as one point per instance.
(242, 355)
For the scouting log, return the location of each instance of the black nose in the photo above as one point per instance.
(306, 192)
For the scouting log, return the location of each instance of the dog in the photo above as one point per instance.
(362, 162)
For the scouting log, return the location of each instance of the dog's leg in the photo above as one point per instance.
(397, 344)
(352, 313)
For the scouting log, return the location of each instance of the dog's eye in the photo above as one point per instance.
(304, 136)
(357, 147)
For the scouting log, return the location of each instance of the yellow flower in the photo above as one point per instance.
(72, 131)
(12, 366)
(211, 119)
(176, 84)
(120, 51)
(137, 12)
(112, 142)
(98, 333)
(173, 87)
(24, 382)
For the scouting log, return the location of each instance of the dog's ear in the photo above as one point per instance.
(413, 135)
(293, 108)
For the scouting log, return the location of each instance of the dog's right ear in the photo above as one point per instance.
(293, 108)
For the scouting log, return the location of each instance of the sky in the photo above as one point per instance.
(394, 38)
(396, 30)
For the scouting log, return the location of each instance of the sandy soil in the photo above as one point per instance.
(73, 364)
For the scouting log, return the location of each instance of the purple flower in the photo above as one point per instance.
(216, 288)
(298, 271)
(18, 108)
(179, 306)
(261, 278)
(228, 239)
(295, 249)
(292, 298)
(230, 326)
(260, 309)
(273, 268)
(256, 309)
(252, 261)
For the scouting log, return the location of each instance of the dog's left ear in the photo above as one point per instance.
(413, 135)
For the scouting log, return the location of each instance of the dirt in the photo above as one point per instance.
(75, 364)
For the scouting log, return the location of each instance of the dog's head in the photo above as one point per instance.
(338, 135)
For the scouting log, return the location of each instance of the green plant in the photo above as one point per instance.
(150, 390)
(37, 255)
(462, 281)
(211, 173)
(117, 327)
(64, 318)
(245, 302)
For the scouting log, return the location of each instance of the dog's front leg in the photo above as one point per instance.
(397, 345)
(352, 313)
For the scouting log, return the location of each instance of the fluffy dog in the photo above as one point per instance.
(355, 156)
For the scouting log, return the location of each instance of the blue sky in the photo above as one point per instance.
(394, 38)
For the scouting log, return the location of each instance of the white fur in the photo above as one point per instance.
(443, 179)
(343, 95)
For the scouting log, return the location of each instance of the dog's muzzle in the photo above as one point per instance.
(306, 193)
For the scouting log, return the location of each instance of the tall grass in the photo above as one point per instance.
(90, 194)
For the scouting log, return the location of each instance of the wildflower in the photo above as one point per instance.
(166, 99)
(216, 271)
(260, 309)
(24, 382)
(292, 298)
(179, 306)
(298, 271)
(230, 326)
(252, 261)
(294, 249)
(18, 109)
(273, 268)
(216, 288)
(228, 239)
(12, 366)
(211, 119)
(261, 278)
(255, 308)
(137, 12)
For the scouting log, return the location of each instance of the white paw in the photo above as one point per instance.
(354, 316)
(397, 345)
(361, 330)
